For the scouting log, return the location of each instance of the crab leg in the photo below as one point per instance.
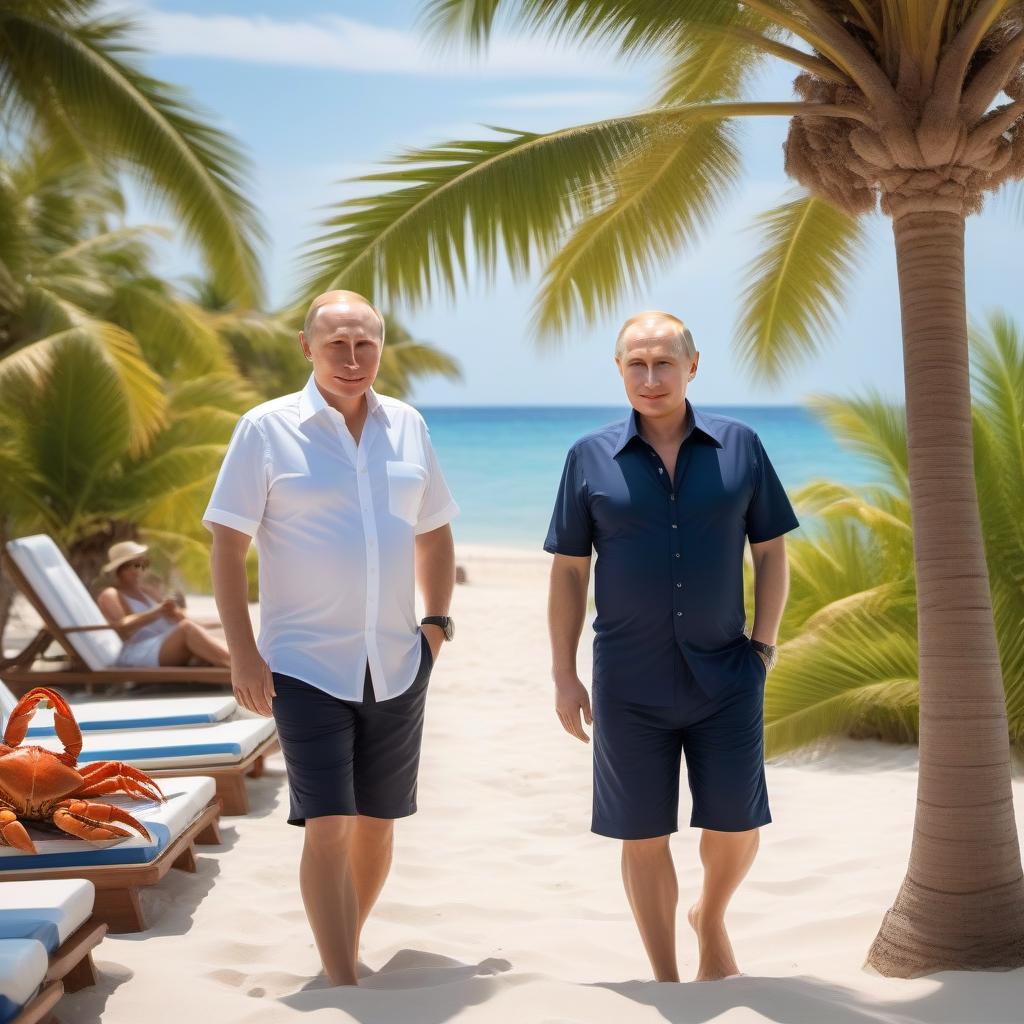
(105, 777)
(12, 833)
(64, 723)
(89, 820)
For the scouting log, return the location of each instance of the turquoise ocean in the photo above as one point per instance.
(503, 463)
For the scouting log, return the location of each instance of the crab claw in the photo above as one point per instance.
(102, 777)
(12, 833)
(64, 723)
(91, 820)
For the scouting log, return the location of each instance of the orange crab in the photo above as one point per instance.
(39, 785)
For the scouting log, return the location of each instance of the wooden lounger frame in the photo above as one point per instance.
(230, 778)
(38, 1009)
(19, 675)
(117, 885)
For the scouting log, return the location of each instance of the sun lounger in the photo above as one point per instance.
(72, 618)
(119, 868)
(58, 912)
(227, 751)
(130, 713)
(24, 993)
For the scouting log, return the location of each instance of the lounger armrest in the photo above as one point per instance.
(84, 629)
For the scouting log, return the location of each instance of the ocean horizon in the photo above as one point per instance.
(503, 462)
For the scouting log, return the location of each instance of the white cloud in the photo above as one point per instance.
(350, 45)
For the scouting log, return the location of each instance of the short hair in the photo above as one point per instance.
(339, 295)
(682, 331)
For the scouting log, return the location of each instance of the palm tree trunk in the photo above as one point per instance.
(961, 905)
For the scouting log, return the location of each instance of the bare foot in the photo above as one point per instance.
(717, 960)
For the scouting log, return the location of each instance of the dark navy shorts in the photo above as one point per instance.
(346, 757)
(638, 751)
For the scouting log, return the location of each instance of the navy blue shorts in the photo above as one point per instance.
(637, 757)
(347, 757)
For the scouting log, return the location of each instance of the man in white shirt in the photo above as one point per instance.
(342, 492)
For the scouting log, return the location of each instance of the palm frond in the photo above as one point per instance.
(872, 427)
(662, 198)
(404, 362)
(78, 73)
(797, 283)
(113, 348)
(515, 195)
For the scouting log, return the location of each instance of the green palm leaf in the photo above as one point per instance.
(76, 77)
(872, 427)
(797, 283)
(515, 194)
(661, 197)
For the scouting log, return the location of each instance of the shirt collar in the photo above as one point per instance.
(311, 402)
(697, 420)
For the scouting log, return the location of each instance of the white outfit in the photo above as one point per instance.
(142, 648)
(334, 524)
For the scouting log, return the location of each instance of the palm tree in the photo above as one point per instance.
(849, 659)
(894, 110)
(69, 75)
(116, 396)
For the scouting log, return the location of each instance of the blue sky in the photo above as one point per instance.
(320, 91)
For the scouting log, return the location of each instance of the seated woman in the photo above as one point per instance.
(155, 631)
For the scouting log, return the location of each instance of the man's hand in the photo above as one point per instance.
(253, 683)
(435, 639)
(571, 698)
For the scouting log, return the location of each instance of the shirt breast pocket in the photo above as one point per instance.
(406, 483)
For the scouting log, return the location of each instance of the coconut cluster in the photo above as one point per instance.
(924, 159)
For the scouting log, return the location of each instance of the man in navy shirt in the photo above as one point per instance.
(666, 499)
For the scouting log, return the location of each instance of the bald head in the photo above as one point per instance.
(345, 301)
(653, 324)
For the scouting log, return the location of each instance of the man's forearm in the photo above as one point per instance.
(771, 587)
(567, 608)
(435, 569)
(231, 592)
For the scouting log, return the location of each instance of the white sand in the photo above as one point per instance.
(502, 906)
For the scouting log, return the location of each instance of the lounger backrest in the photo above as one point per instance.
(66, 600)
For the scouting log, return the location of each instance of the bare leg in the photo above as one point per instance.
(189, 638)
(653, 892)
(726, 857)
(325, 878)
(370, 860)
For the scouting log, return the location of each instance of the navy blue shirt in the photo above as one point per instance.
(669, 572)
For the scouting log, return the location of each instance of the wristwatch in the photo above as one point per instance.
(446, 622)
(769, 652)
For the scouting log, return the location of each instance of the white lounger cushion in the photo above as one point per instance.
(65, 597)
(23, 966)
(48, 909)
(186, 798)
(223, 743)
(137, 713)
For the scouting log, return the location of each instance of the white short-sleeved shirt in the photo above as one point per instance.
(334, 524)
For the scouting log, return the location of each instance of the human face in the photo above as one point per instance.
(344, 345)
(130, 573)
(654, 368)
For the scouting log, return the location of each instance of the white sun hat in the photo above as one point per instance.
(122, 552)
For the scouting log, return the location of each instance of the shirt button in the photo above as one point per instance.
(660, 470)
(679, 586)
(671, 497)
(675, 526)
(679, 615)
(678, 555)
